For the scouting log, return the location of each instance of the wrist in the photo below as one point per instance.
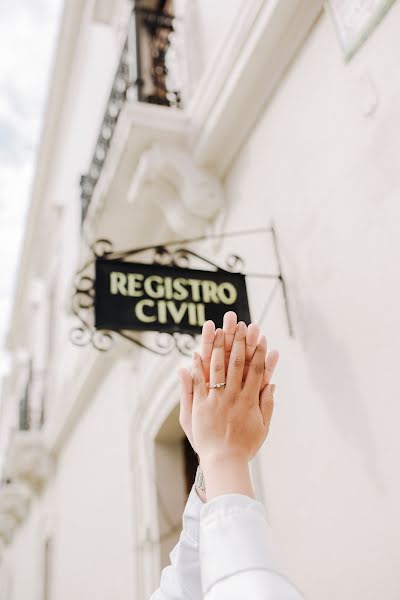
(199, 484)
(227, 474)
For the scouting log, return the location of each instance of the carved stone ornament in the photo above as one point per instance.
(188, 196)
(14, 500)
(29, 460)
(7, 527)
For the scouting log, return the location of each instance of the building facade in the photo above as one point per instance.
(191, 119)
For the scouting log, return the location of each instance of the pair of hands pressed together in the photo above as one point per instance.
(227, 426)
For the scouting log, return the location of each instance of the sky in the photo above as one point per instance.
(28, 34)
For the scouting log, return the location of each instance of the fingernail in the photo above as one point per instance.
(240, 327)
(272, 386)
(263, 342)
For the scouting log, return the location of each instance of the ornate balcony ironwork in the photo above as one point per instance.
(148, 72)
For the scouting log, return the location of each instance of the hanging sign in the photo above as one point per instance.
(153, 297)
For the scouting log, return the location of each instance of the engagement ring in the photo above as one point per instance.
(217, 385)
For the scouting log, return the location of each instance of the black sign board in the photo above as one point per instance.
(153, 297)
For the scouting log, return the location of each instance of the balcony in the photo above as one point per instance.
(28, 462)
(148, 72)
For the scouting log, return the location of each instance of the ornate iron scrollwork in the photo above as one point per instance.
(169, 254)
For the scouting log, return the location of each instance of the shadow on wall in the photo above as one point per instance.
(332, 376)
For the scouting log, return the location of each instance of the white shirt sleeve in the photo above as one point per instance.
(181, 579)
(236, 554)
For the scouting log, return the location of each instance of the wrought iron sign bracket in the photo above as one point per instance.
(169, 254)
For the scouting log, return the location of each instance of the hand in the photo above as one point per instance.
(231, 421)
(207, 342)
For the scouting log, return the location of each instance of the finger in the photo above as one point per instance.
(186, 397)
(217, 367)
(207, 341)
(270, 365)
(253, 332)
(199, 384)
(267, 403)
(229, 327)
(236, 360)
(256, 371)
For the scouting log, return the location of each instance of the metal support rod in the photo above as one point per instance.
(285, 297)
(200, 238)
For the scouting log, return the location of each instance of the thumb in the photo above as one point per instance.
(199, 384)
(186, 396)
(267, 403)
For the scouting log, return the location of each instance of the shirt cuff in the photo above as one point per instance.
(191, 516)
(234, 536)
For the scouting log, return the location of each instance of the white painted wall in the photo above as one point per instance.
(22, 566)
(206, 27)
(93, 545)
(328, 175)
(322, 162)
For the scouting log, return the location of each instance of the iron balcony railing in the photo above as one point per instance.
(148, 72)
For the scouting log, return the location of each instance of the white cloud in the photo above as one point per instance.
(28, 32)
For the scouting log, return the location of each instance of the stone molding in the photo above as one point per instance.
(7, 527)
(238, 84)
(29, 460)
(188, 196)
(14, 500)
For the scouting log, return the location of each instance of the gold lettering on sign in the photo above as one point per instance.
(134, 284)
(227, 293)
(118, 283)
(177, 314)
(192, 313)
(210, 292)
(140, 314)
(195, 285)
(180, 290)
(171, 298)
(168, 291)
(162, 311)
(158, 291)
